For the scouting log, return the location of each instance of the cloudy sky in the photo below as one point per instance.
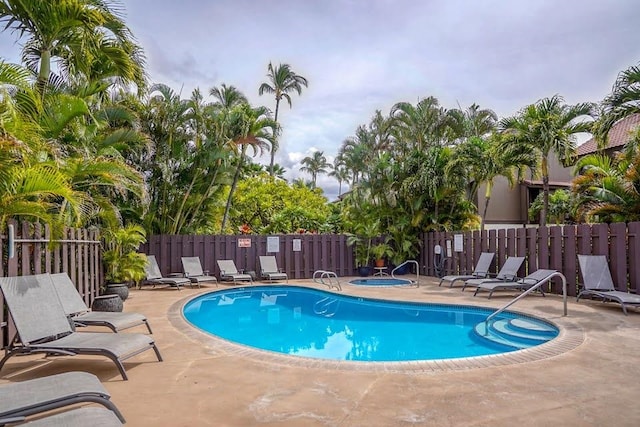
(364, 55)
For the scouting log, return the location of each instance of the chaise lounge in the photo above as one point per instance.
(229, 272)
(76, 309)
(508, 273)
(533, 279)
(269, 269)
(193, 271)
(42, 326)
(22, 399)
(154, 275)
(599, 283)
(480, 272)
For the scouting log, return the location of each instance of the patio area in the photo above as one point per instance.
(587, 378)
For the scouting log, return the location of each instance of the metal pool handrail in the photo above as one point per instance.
(320, 275)
(409, 261)
(527, 292)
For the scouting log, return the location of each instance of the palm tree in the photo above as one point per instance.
(607, 190)
(473, 121)
(86, 37)
(249, 127)
(282, 81)
(545, 127)
(421, 126)
(478, 161)
(340, 173)
(623, 101)
(315, 164)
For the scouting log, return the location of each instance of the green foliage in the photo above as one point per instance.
(272, 206)
(561, 206)
(123, 262)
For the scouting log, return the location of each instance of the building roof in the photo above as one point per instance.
(618, 135)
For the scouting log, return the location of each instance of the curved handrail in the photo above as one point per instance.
(320, 275)
(409, 261)
(527, 292)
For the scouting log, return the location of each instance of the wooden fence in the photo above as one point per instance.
(545, 247)
(77, 252)
(298, 255)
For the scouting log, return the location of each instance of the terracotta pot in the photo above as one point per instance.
(379, 263)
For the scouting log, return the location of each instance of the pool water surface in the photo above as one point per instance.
(317, 324)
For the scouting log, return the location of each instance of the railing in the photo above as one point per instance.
(410, 261)
(320, 275)
(527, 292)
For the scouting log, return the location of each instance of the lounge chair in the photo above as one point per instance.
(81, 417)
(598, 282)
(22, 399)
(523, 284)
(42, 326)
(229, 272)
(154, 275)
(508, 272)
(481, 271)
(269, 269)
(76, 309)
(193, 271)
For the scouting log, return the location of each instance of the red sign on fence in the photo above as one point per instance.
(244, 243)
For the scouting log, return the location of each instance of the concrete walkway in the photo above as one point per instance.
(589, 378)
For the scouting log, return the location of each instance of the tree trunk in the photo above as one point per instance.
(545, 193)
(236, 175)
(487, 198)
(275, 138)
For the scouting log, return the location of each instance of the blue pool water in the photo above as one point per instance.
(380, 282)
(312, 323)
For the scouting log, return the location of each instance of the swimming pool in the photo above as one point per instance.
(381, 282)
(317, 324)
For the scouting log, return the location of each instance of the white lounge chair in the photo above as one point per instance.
(75, 307)
(154, 275)
(523, 284)
(42, 326)
(193, 271)
(22, 399)
(481, 270)
(597, 281)
(229, 272)
(508, 272)
(269, 269)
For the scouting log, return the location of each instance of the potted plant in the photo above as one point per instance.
(362, 239)
(404, 244)
(124, 265)
(381, 251)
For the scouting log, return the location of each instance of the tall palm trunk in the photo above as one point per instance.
(545, 192)
(487, 198)
(236, 176)
(275, 138)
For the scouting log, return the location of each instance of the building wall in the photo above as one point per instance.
(510, 206)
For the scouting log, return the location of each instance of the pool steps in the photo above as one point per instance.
(516, 333)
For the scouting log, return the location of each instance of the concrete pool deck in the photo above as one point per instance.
(590, 377)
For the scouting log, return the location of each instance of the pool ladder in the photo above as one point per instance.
(409, 261)
(327, 278)
(325, 305)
